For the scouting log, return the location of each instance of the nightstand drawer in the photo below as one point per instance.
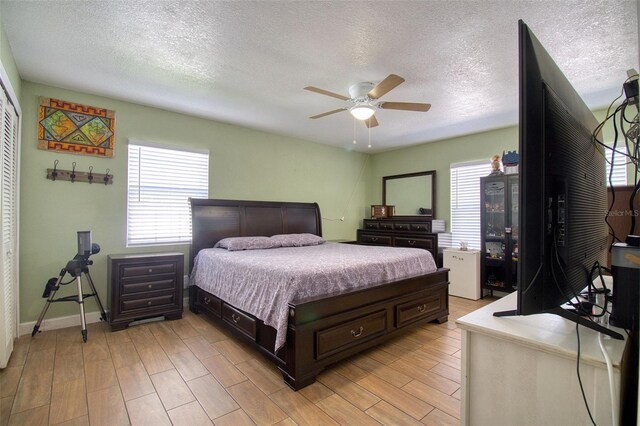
(148, 302)
(143, 286)
(148, 269)
(146, 286)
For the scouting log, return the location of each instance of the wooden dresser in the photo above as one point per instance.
(144, 286)
(399, 233)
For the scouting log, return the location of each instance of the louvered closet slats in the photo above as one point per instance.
(8, 292)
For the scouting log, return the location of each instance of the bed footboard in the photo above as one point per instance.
(326, 330)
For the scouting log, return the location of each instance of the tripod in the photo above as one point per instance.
(76, 267)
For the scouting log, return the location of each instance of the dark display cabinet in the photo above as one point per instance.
(499, 233)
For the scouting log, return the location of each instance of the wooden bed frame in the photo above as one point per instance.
(324, 330)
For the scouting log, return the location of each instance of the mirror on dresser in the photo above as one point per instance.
(412, 194)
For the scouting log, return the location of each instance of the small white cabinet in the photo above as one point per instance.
(464, 274)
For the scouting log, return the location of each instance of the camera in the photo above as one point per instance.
(85, 247)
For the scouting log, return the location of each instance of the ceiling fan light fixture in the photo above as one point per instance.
(362, 112)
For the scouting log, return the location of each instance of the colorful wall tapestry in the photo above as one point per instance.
(75, 128)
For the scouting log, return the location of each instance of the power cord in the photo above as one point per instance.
(612, 392)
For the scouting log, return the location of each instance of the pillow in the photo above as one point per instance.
(297, 240)
(245, 243)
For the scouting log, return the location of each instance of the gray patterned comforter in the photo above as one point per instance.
(263, 282)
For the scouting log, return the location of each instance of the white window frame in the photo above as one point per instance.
(160, 181)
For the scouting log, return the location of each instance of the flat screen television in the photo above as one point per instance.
(563, 193)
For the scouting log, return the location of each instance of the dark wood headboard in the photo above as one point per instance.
(213, 220)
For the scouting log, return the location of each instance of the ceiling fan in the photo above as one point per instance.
(364, 100)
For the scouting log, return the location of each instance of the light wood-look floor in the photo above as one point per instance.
(190, 372)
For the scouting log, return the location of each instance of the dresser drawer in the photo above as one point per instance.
(401, 226)
(423, 227)
(423, 243)
(371, 225)
(343, 336)
(148, 302)
(241, 321)
(382, 240)
(148, 269)
(415, 310)
(386, 225)
(146, 286)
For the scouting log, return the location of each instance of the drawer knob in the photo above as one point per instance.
(149, 303)
(150, 270)
(422, 308)
(207, 300)
(358, 333)
(150, 286)
(235, 318)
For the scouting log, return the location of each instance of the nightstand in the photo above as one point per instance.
(144, 286)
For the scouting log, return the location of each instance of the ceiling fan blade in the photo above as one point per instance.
(324, 114)
(371, 122)
(405, 106)
(325, 92)
(385, 86)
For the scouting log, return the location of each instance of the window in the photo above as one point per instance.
(619, 176)
(465, 202)
(160, 183)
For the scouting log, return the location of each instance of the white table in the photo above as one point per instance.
(521, 370)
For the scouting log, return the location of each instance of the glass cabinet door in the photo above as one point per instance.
(495, 219)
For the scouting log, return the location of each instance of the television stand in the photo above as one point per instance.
(511, 367)
(571, 317)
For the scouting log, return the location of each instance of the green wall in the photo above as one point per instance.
(439, 156)
(244, 164)
(8, 63)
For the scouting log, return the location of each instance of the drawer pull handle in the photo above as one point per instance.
(374, 238)
(358, 333)
(422, 307)
(235, 318)
(207, 300)
(411, 242)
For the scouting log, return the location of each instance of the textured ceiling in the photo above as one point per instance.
(247, 62)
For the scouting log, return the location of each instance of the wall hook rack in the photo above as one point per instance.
(76, 176)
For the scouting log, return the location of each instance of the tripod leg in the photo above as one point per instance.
(48, 303)
(83, 322)
(103, 315)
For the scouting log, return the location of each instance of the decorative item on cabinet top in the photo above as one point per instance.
(75, 176)
(381, 211)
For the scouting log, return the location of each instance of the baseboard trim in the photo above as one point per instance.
(71, 320)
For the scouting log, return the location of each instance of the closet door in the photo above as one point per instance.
(9, 226)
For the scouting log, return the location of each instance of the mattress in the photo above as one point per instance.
(264, 282)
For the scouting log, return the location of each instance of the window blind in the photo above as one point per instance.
(619, 175)
(160, 182)
(465, 202)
